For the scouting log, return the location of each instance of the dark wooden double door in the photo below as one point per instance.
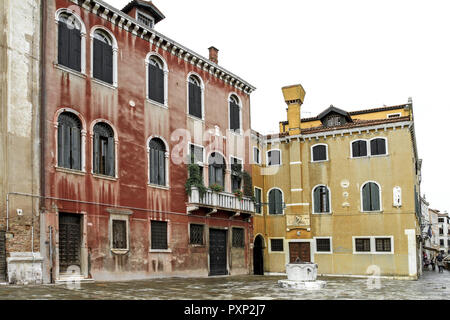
(217, 252)
(69, 242)
(300, 250)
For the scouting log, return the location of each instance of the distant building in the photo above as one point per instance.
(340, 189)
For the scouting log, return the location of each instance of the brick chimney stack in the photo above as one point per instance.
(214, 55)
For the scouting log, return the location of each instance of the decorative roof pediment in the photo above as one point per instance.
(146, 6)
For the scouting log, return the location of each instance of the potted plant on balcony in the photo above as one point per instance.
(238, 194)
(217, 188)
(195, 180)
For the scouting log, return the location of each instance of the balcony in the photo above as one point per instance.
(220, 201)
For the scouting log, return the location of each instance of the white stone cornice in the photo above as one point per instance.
(104, 14)
(95, 9)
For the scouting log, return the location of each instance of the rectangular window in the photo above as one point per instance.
(159, 235)
(441, 231)
(145, 20)
(394, 115)
(238, 238)
(195, 100)
(362, 245)
(378, 147)
(441, 219)
(323, 245)
(119, 229)
(196, 156)
(236, 174)
(256, 156)
(258, 200)
(319, 153)
(383, 244)
(196, 234)
(277, 245)
(441, 242)
(274, 158)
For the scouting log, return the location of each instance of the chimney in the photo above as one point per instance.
(214, 54)
(294, 97)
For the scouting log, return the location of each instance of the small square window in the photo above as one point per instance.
(323, 245)
(238, 238)
(362, 245)
(159, 235)
(383, 244)
(196, 231)
(277, 245)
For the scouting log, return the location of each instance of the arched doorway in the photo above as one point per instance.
(258, 256)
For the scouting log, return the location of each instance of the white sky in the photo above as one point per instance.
(350, 53)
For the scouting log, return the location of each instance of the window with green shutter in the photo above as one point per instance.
(216, 170)
(69, 42)
(156, 80)
(235, 114)
(377, 147)
(321, 199)
(275, 202)
(371, 197)
(103, 57)
(69, 141)
(359, 148)
(157, 162)
(319, 153)
(195, 97)
(104, 159)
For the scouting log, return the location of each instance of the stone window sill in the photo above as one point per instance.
(157, 104)
(101, 176)
(68, 70)
(70, 171)
(120, 251)
(160, 251)
(158, 186)
(105, 84)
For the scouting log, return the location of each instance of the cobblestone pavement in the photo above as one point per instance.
(431, 285)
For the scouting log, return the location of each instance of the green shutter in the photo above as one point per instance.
(76, 148)
(110, 157)
(272, 202)
(63, 44)
(61, 146)
(317, 200)
(366, 197)
(162, 168)
(96, 153)
(374, 197)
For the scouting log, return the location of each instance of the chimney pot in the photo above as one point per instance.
(214, 55)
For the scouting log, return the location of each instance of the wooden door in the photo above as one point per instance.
(69, 241)
(218, 252)
(300, 250)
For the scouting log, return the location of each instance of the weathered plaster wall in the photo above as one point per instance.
(19, 116)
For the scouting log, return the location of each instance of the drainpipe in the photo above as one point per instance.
(7, 212)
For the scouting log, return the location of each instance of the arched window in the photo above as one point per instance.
(371, 198)
(156, 80)
(378, 147)
(275, 201)
(104, 150)
(69, 141)
(274, 158)
(359, 148)
(321, 200)
(217, 168)
(236, 174)
(319, 152)
(103, 57)
(235, 114)
(69, 41)
(195, 97)
(157, 162)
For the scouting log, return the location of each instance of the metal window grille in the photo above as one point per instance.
(159, 235)
(119, 234)
(277, 244)
(238, 238)
(196, 234)
(323, 245)
(362, 245)
(383, 244)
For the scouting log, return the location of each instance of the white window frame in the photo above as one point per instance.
(83, 138)
(167, 163)
(116, 149)
(367, 148)
(119, 217)
(380, 192)
(240, 132)
(260, 156)
(373, 245)
(83, 38)
(323, 252)
(326, 152)
(282, 202)
(267, 158)
(329, 199)
(378, 155)
(277, 238)
(202, 87)
(166, 79)
(115, 48)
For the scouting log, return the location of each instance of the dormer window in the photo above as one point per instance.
(145, 19)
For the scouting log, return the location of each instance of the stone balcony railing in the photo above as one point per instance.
(222, 201)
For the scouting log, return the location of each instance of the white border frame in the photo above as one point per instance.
(281, 158)
(282, 202)
(83, 38)
(326, 153)
(262, 201)
(119, 217)
(166, 79)
(323, 252)
(378, 155)
(329, 199)
(115, 48)
(167, 162)
(373, 245)
(169, 238)
(241, 131)
(367, 149)
(380, 192)
(83, 137)
(269, 244)
(202, 87)
(116, 143)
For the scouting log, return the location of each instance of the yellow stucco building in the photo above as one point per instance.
(340, 189)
